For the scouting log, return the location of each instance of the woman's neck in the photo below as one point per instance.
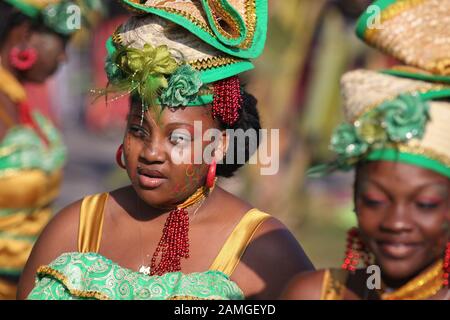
(422, 285)
(144, 212)
(393, 284)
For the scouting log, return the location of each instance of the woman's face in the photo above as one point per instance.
(403, 213)
(51, 53)
(160, 152)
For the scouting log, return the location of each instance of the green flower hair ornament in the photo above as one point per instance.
(183, 87)
(392, 122)
(154, 75)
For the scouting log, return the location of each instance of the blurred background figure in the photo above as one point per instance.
(33, 40)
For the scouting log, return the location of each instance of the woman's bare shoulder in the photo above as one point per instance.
(305, 286)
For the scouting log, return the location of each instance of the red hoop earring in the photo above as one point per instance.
(119, 154)
(354, 251)
(23, 59)
(211, 176)
(446, 264)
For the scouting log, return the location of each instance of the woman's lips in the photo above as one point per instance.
(397, 250)
(150, 179)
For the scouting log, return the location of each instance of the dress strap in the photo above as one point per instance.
(91, 222)
(233, 249)
(334, 284)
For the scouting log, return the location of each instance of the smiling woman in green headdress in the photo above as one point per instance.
(397, 139)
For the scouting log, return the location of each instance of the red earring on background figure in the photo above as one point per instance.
(211, 176)
(23, 59)
(354, 251)
(446, 264)
(119, 159)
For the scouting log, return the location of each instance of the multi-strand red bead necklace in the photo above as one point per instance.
(174, 243)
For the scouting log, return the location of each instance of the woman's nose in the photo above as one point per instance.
(153, 150)
(397, 219)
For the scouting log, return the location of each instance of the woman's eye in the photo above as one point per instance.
(138, 131)
(427, 205)
(179, 138)
(372, 203)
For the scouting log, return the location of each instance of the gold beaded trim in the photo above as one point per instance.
(392, 11)
(187, 298)
(188, 16)
(206, 91)
(228, 19)
(197, 196)
(411, 69)
(422, 287)
(250, 18)
(116, 37)
(333, 288)
(201, 64)
(440, 66)
(10, 173)
(6, 151)
(416, 148)
(213, 62)
(46, 270)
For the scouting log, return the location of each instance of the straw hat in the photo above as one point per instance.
(394, 119)
(401, 114)
(415, 32)
(235, 27)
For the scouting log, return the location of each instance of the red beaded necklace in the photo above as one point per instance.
(174, 242)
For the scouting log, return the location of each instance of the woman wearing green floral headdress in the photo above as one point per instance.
(33, 37)
(397, 139)
(172, 233)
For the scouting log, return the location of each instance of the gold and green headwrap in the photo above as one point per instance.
(393, 119)
(401, 114)
(171, 52)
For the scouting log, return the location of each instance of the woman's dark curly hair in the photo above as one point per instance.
(248, 120)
